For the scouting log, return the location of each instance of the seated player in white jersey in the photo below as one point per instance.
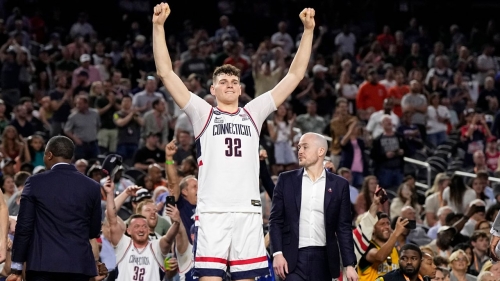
(138, 258)
(227, 139)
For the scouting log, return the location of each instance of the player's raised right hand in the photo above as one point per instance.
(160, 14)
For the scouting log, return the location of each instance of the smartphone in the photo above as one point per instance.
(480, 209)
(412, 224)
(170, 200)
(383, 196)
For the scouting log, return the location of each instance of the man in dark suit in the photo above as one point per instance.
(60, 211)
(311, 219)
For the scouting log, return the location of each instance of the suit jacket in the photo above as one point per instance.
(60, 211)
(285, 215)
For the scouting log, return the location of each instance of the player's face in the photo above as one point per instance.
(307, 152)
(138, 230)
(149, 211)
(226, 88)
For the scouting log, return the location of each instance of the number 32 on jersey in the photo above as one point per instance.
(233, 147)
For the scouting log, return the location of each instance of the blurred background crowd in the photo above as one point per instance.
(408, 98)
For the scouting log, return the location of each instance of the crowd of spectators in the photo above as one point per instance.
(380, 97)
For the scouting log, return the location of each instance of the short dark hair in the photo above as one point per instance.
(24, 100)
(61, 146)
(382, 215)
(478, 234)
(156, 102)
(136, 216)
(20, 178)
(412, 247)
(462, 246)
(226, 69)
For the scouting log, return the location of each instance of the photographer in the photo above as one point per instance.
(381, 255)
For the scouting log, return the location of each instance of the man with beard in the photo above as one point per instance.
(410, 259)
(381, 256)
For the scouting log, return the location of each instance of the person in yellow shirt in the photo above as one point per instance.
(409, 265)
(381, 255)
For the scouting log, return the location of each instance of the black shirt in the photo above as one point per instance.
(26, 130)
(106, 117)
(60, 115)
(144, 154)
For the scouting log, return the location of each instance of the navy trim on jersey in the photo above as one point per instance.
(229, 113)
(253, 122)
(206, 123)
(202, 272)
(250, 274)
(198, 148)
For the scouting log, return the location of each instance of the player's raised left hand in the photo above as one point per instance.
(307, 18)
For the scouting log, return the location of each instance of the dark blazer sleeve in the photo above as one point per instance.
(25, 225)
(277, 217)
(95, 219)
(344, 227)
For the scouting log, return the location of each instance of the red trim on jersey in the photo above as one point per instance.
(154, 256)
(210, 259)
(234, 113)
(251, 120)
(248, 261)
(206, 123)
(124, 253)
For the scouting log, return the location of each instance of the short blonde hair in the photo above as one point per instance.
(457, 253)
(482, 274)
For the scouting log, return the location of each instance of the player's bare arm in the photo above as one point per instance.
(300, 62)
(164, 69)
(116, 231)
(171, 170)
(167, 239)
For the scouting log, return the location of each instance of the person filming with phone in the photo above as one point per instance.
(381, 256)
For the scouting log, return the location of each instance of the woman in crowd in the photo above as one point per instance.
(405, 197)
(461, 196)
(434, 198)
(459, 263)
(364, 200)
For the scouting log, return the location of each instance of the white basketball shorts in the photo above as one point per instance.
(230, 239)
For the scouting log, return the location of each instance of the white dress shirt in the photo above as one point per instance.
(312, 215)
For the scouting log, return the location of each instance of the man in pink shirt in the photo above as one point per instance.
(94, 74)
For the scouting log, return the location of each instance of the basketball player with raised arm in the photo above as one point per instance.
(138, 258)
(227, 140)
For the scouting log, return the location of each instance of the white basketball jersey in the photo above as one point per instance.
(227, 147)
(138, 265)
(185, 262)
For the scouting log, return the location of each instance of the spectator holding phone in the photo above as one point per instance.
(381, 255)
(364, 200)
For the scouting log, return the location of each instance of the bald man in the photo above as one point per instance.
(310, 219)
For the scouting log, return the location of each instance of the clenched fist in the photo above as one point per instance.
(160, 14)
(307, 18)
